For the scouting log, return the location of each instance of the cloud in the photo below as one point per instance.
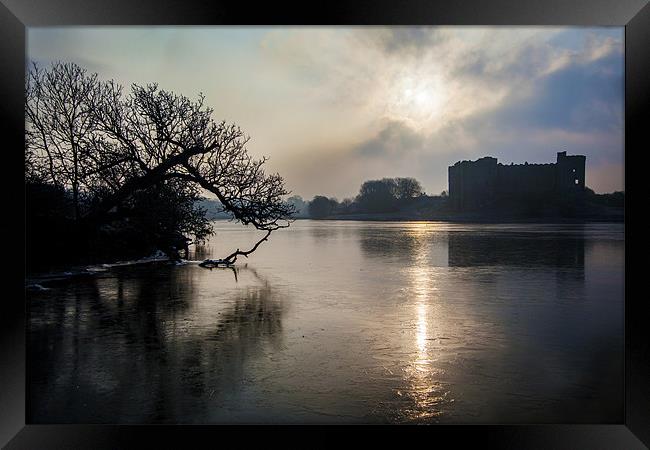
(405, 39)
(334, 106)
(576, 105)
(579, 97)
(394, 138)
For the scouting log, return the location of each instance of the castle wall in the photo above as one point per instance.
(475, 184)
(522, 179)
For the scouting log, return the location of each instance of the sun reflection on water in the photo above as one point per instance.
(422, 374)
(421, 337)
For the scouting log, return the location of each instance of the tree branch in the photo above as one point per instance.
(233, 256)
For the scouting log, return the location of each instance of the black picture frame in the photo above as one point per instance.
(16, 15)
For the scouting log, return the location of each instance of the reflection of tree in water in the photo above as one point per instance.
(199, 252)
(254, 313)
(399, 243)
(137, 346)
(324, 231)
(251, 322)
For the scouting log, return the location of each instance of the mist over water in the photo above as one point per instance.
(343, 322)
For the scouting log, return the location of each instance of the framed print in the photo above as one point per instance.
(408, 215)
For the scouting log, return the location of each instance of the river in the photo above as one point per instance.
(342, 322)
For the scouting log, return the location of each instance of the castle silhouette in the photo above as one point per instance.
(480, 183)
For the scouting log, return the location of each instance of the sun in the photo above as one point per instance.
(416, 99)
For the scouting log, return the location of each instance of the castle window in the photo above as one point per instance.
(576, 181)
(574, 171)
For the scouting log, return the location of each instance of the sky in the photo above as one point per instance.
(332, 107)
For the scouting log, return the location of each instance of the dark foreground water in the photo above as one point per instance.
(347, 322)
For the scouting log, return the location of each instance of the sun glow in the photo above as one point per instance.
(417, 99)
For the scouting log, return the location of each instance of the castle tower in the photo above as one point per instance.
(570, 172)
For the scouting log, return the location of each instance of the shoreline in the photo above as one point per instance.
(66, 271)
(469, 219)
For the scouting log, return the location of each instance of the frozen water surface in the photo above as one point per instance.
(342, 322)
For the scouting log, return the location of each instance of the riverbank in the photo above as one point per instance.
(473, 218)
(59, 269)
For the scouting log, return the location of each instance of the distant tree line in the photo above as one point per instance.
(386, 195)
(614, 199)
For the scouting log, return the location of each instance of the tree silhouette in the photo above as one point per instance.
(377, 195)
(406, 188)
(321, 206)
(87, 135)
(61, 119)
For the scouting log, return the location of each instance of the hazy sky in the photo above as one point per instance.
(334, 106)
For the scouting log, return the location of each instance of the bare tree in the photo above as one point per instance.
(170, 136)
(60, 119)
(131, 143)
(407, 188)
